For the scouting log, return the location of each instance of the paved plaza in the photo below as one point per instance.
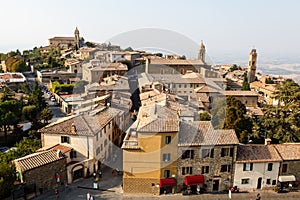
(110, 189)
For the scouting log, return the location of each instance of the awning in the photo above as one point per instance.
(194, 180)
(287, 178)
(167, 182)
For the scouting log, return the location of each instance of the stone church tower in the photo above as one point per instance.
(201, 52)
(77, 39)
(252, 66)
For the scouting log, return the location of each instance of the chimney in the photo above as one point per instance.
(73, 128)
(58, 153)
(268, 141)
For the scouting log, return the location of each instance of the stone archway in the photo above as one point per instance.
(77, 172)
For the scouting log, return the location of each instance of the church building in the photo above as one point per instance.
(67, 42)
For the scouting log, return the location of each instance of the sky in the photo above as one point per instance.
(227, 27)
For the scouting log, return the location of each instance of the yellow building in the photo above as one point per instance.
(150, 152)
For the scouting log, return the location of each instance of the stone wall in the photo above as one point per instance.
(44, 176)
(293, 168)
(141, 185)
(214, 167)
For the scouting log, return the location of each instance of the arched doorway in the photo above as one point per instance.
(77, 172)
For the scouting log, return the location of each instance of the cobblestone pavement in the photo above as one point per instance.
(110, 189)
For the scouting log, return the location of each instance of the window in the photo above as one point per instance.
(105, 142)
(188, 154)
(179, 85)
(205, 169)
(268, 181)
(205, 153)
(187, 170)
(245, 181)
(191, 85)
(274, 182)
(98, 151)
(65, 139)
(97, 137)
(100, 134)
(284, 168)
(185, 85)
(73, 154)
(101, 147)
(104, 129)
(227, 152)
(225, 168)
(168, 139)
(167, 173)
(166, 157)
(270, 166)
(248, 167)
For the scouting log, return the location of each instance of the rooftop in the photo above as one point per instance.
(257, 153)
(288, 151)
(86, 124)
(38, 159)
(202, 133)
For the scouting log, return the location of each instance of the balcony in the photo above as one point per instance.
(131, 141)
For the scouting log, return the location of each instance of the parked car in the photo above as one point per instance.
(4, 149)
(52, 99)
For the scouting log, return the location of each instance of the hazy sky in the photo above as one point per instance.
(226, 26)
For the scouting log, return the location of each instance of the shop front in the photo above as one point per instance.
(286, 182)
(193, 184)
(167, 185)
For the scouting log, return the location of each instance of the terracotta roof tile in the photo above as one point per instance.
(289, 151)
(257, 153)
(86, 124)
(202, 133)
(161, 126)
(38, 159)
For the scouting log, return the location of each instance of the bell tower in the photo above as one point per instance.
(201, 52)
(252, 66)
(77, 39)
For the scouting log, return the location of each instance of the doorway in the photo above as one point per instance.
(259, 183)
(215, 185)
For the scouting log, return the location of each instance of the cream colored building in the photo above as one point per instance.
(92, 138)
(257, 167)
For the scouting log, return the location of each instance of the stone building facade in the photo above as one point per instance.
(203, 151)
(42, 169)
(290, 154)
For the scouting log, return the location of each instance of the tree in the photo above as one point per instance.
(10, 113)
(236, 119)
(246, 85)
(282, 123)
(15, 64)
(31, 113)
(7, 178)
(90, 44)
(126, 62)
(234, 67)
(36, 98)
(205, 116)
(46, 115)
(7, 168)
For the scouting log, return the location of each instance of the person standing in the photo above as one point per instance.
(258, 197)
